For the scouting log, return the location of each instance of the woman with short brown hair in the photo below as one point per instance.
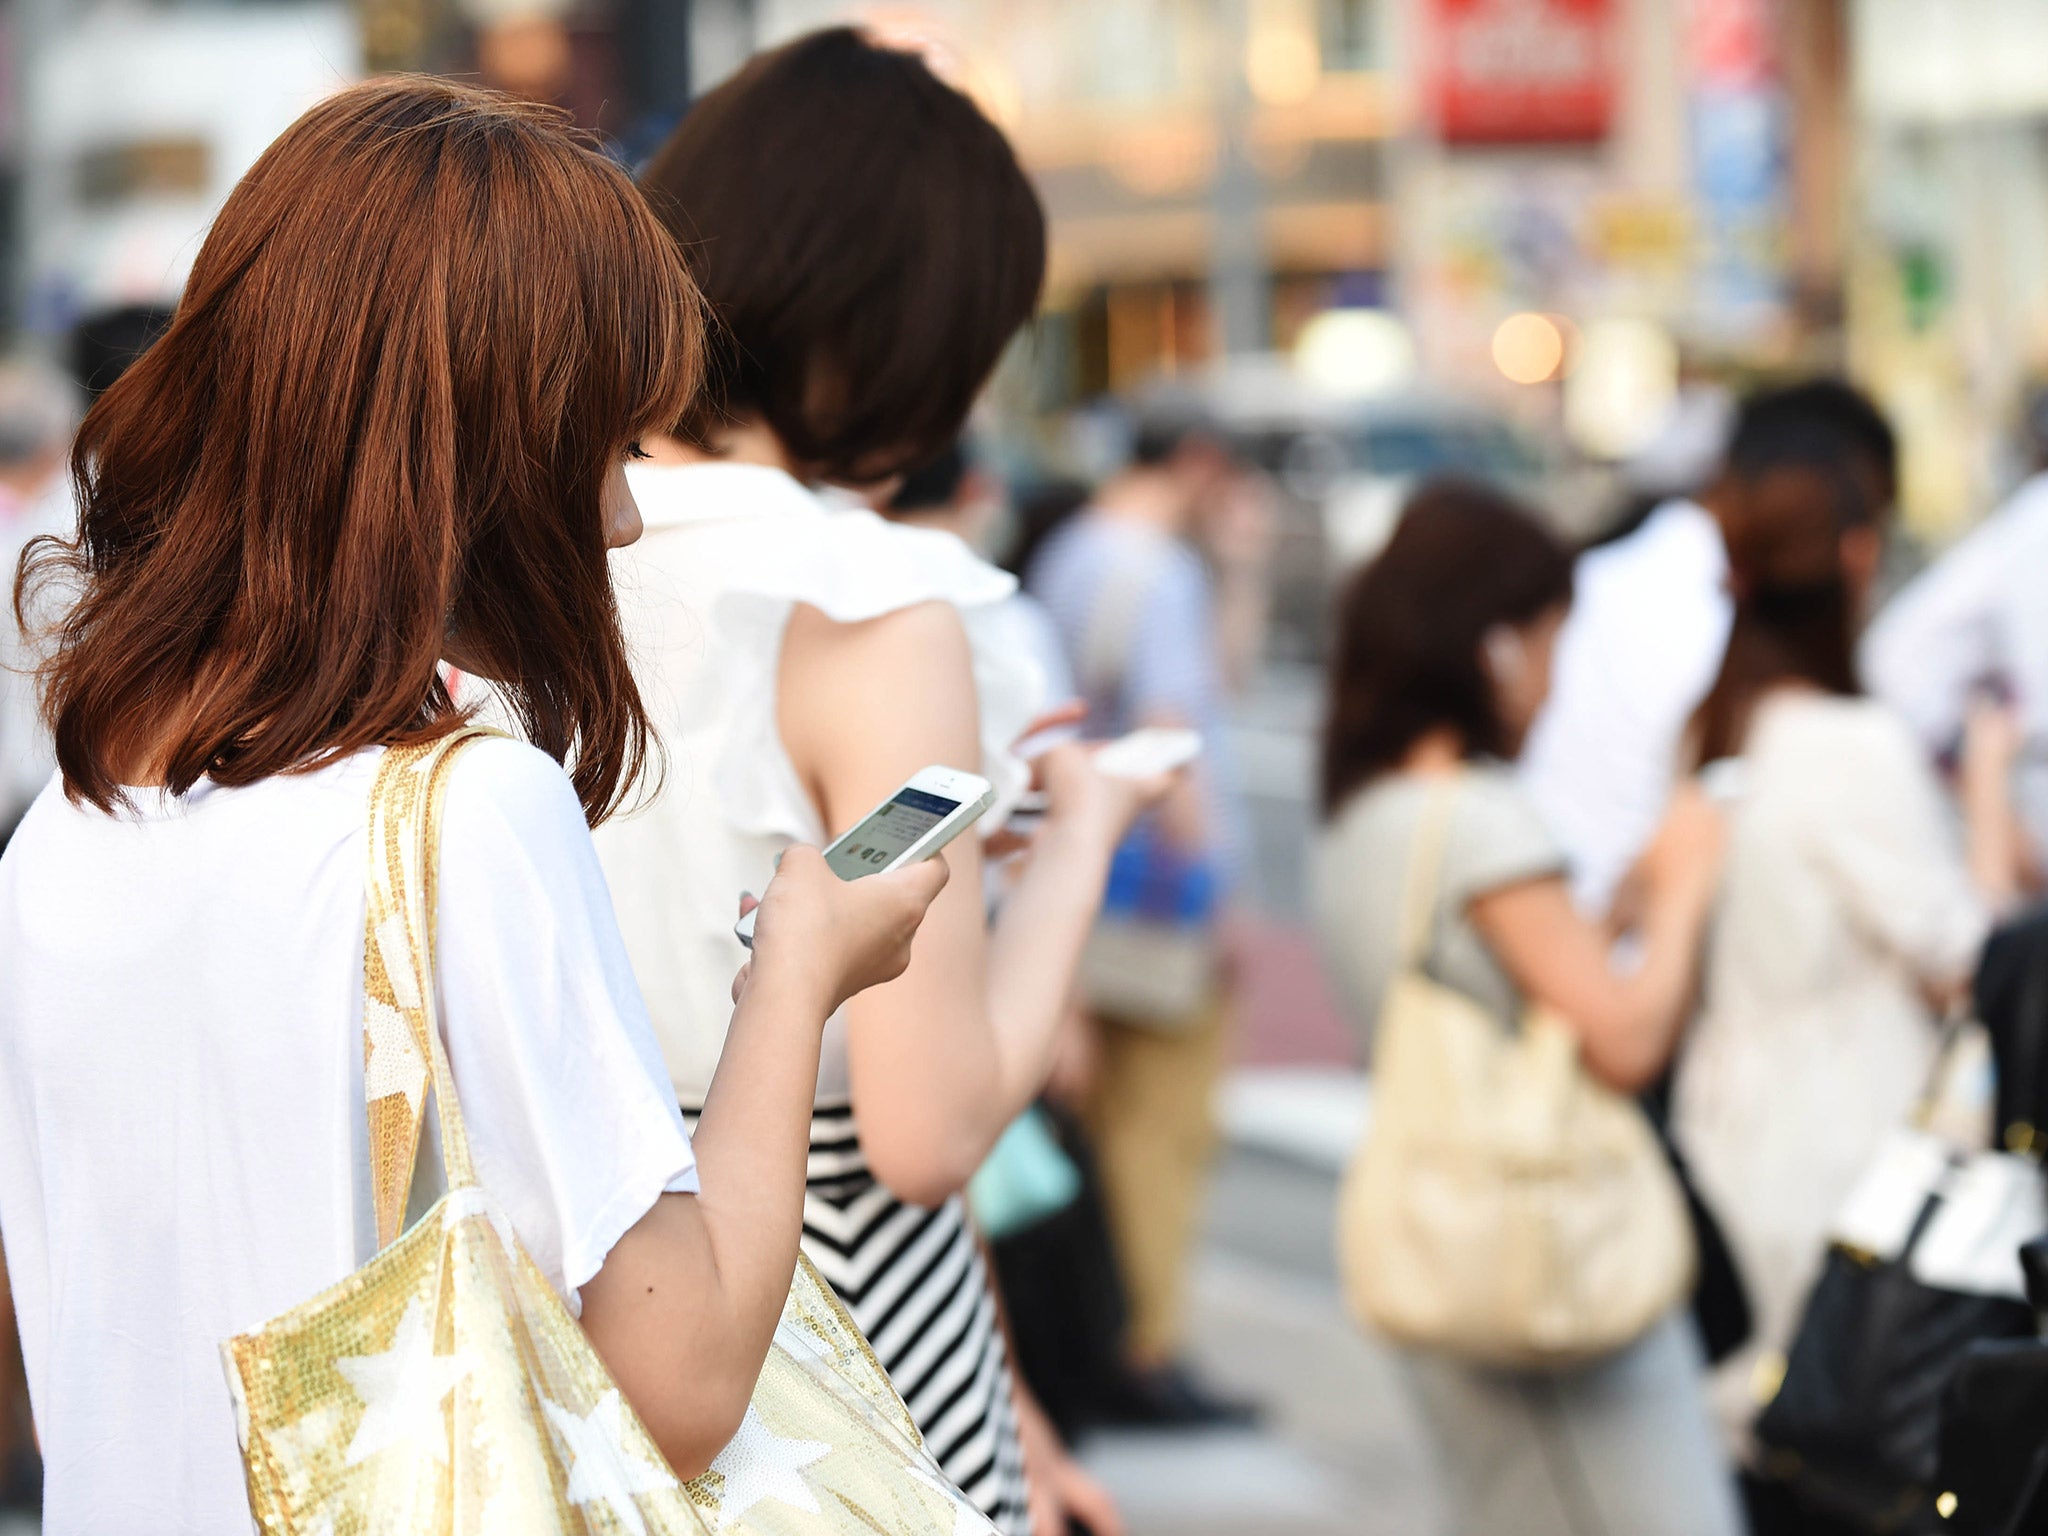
(868, 245)
(387, 427)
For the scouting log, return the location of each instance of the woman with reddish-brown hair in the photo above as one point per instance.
(386, 429)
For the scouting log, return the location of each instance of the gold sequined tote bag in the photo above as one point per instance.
(443, 1389)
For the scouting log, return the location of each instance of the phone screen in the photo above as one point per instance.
(876, 843)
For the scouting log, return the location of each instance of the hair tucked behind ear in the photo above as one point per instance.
(1411, 627)
(422, 329)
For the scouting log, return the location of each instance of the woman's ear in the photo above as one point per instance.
(1505, 656)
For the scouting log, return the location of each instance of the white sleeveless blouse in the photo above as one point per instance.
(705, 596)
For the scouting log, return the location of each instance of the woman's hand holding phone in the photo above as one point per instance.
(1101, 805)
(1075, 796)
(833, 937)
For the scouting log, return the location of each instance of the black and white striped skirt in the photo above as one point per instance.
(916, 1283)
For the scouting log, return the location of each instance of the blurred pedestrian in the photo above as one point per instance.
(1443, 659)
(369, 441)
(1650, 624)
(38, 413)
(954, 495)
(1974, 623)
(106, 343)
(868, 245)
(1032, 1199)
(1849, 915)
(1137, 612)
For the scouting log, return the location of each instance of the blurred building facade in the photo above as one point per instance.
(1564, 209)
(1553, 198)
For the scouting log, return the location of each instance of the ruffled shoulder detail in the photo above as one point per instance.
(851, 565)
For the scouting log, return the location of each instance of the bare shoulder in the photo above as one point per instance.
(902, 656)
(876, 699)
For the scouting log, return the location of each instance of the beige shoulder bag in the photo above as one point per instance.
(1504, 1207)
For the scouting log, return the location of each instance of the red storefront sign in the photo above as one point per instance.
(1521, 71)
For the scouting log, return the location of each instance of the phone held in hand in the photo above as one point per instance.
(934, 806)
(1149, 751)
(1141, 754)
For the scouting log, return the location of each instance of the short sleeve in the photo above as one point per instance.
(1497, 838)
(572, 1123)
(1883, 838)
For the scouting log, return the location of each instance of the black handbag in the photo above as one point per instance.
(2010, 994)
(1993, 1472)
(1854, 1429)
(1853, 1433)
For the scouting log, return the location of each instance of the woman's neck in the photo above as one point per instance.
(749, 441)
(1439, 751)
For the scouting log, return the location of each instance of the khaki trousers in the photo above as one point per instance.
(1151, 1115)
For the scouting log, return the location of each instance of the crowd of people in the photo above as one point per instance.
(680, 500)
(1675, 821)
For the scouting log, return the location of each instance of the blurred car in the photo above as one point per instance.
(1346, 464)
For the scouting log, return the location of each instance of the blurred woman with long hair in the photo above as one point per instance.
(386, 428)
(868, 245)
(1443, 659)
(1851, 914)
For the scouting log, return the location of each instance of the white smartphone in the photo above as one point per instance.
(1152, 750)
(934, 806)
(1139, 754)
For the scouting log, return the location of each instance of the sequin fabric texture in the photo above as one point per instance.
(445, 1388)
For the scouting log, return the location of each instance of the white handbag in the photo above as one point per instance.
(1504, 1207)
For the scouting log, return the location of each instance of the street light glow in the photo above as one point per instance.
(1528, 348)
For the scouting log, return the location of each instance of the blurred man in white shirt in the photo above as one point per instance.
(1975, 622)
(1649, 623)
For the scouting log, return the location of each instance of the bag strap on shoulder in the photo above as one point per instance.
(1422, 883)
(403, 1054)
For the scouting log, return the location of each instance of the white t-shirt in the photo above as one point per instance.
(183, 1152)
(1975, 616)
(1649, 625)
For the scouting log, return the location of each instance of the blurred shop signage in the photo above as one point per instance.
(1740, 133)
(1521, 71)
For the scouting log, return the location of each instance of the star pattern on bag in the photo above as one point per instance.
(395, 1064)
(601, 1469)
(403, 1389)
(394, 947)
(760, 1464)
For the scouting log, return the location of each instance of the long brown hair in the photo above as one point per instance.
(421, 330)
(1795, 614)
(1411, 628)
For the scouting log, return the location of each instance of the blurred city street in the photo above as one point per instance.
(1439, 443)
(1338, 1453)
